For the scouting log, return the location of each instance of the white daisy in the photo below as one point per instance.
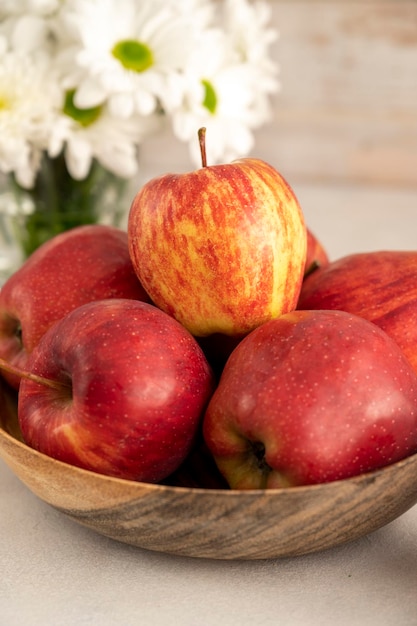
(94, 133)
(24, 117)
(92, 78)
(217, 95)
(29, 98)
(246, 26)
(125, 51)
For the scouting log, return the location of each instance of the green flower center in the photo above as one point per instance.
(210, 97)
(85, 117)
(133, 55)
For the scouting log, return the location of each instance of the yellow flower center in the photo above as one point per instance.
(5, 102)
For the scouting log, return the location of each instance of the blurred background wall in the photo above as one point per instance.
(347, 110)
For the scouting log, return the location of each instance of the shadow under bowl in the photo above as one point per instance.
(212, 523)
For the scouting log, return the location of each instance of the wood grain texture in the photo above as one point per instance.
(213, 523)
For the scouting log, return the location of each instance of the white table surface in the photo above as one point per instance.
(56, 573)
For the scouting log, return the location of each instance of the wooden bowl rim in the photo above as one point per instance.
(331, 485)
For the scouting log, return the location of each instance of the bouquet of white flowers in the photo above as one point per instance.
(84, 82)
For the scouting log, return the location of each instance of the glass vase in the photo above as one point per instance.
(56, 203)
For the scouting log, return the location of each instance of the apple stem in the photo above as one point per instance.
(11, 369)
(202, 141)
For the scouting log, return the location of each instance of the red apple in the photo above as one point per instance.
(218, 347)
(83, 264)
(379, 286)
(311, 397)
(222, 249)
(134, 385)
(316, 254)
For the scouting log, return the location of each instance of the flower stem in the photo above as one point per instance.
(57, 202)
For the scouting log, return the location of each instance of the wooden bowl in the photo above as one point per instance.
(212, 523)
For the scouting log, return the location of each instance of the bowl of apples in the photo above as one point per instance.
(211, 521)
(166, 388)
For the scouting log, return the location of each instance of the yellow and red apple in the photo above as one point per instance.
(222, 248)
